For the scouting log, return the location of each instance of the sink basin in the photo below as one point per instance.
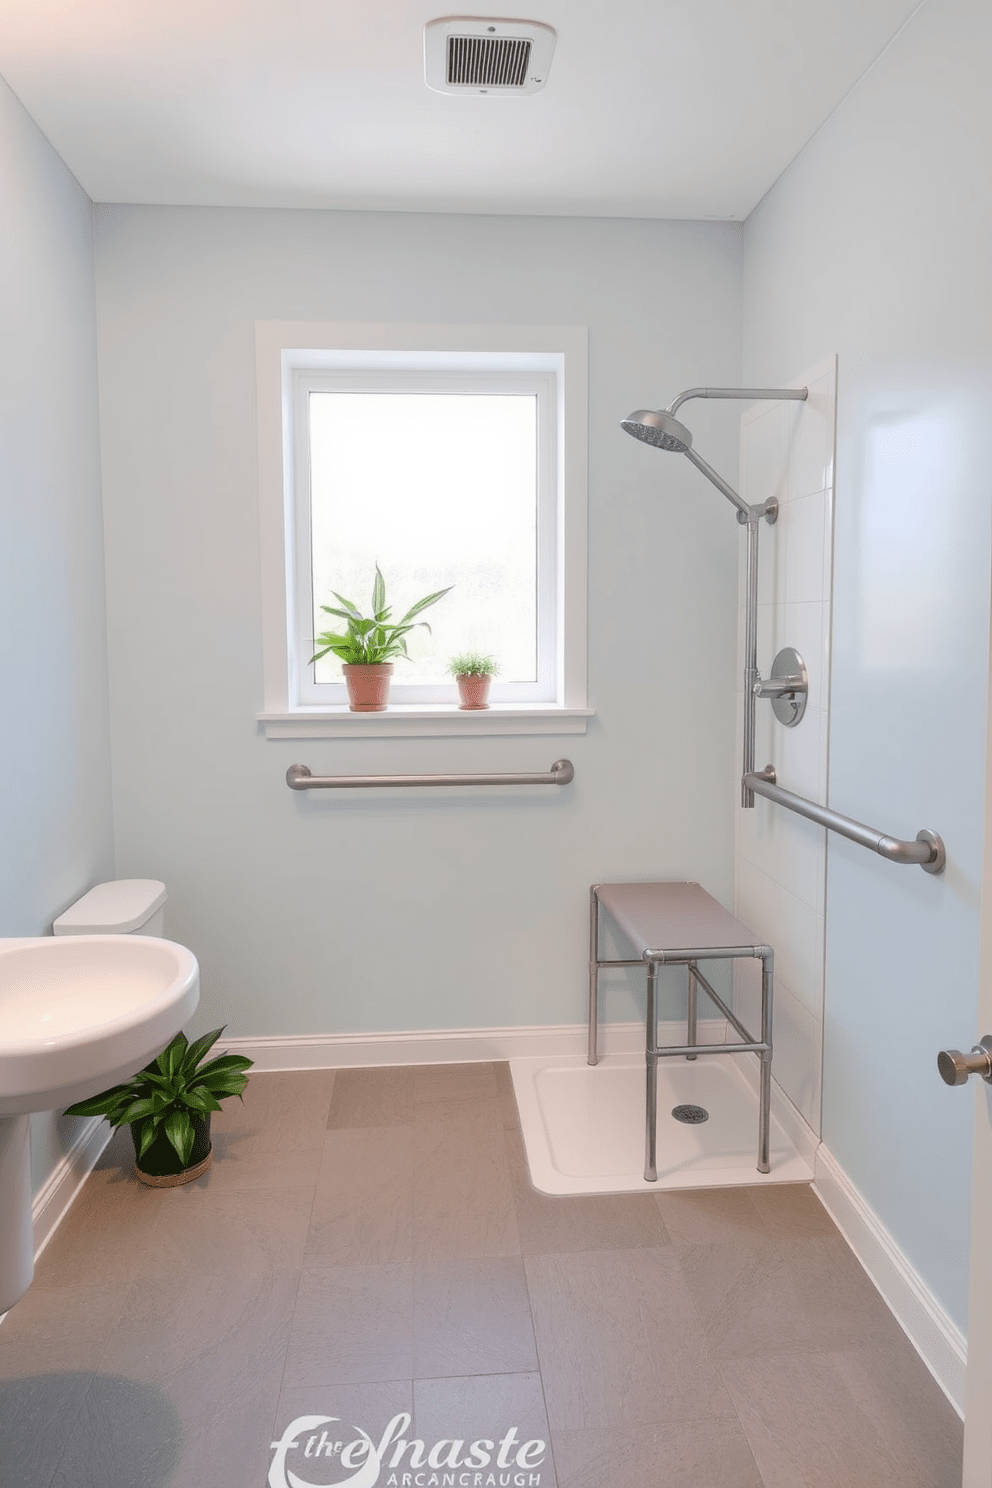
(79, 1013)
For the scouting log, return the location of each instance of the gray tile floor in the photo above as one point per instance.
(367, 1246)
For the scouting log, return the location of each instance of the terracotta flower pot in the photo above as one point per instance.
(473, 689)
(368, 686)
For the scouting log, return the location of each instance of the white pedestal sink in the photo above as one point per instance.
(78, 1013)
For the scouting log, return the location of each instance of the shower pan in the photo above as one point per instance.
(583, 1126)
(662, 430)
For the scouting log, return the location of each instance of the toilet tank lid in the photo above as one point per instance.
(113, 908)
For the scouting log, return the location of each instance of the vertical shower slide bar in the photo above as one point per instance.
(660, 428)
(750, 652)
(692, 1006)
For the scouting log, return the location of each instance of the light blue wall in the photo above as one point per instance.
(342, 913)
(55, 804)
(877, 244)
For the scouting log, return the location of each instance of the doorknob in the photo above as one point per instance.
(955, 1067)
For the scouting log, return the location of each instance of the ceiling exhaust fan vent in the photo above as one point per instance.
(472, 54)
(487, 61)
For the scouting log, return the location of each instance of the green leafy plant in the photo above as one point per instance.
(472, 664)
(371, 639)
(166, 1094)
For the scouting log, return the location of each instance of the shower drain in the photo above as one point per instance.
(691, 1115)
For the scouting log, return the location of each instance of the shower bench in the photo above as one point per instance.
(679, 924)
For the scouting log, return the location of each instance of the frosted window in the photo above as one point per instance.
(438, 489)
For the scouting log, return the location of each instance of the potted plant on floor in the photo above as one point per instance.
(474, 673)
(167, 1106)
(367, 644)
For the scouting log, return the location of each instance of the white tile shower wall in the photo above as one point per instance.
(780, 858)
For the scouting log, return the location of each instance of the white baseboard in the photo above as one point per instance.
(53, 1199)
(937, 1339)
(454, 1045)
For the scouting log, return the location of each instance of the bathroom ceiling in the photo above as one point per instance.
(652, 108)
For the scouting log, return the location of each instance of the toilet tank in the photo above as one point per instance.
(126, 906)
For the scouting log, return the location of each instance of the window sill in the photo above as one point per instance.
(409, 721)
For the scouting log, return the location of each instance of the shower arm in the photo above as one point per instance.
(748, 516)
(745, 513)
(776, 395)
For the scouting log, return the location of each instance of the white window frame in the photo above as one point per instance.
(466, 380)
(294, 357)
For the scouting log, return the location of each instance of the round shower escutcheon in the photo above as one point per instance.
(788, 705)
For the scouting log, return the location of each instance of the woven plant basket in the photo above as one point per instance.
(160, 1166)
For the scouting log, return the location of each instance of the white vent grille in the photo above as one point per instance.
(487, 61)
(472, 54)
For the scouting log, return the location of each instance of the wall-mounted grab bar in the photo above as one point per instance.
(927, 851)
(298, 777)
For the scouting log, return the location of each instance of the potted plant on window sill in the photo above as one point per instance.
(473, 673)
(368, 643)
(167, 1106)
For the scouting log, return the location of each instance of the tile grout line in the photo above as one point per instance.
(299, 1273)
(718, 1363)
(530, 1305)
(105, 1351)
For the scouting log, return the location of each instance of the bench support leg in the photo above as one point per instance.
(593, 1054)
(765, 1091)
(651, 1059)
(691, 1037)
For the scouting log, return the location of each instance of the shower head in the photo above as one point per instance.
(658, 429)
(665, 432)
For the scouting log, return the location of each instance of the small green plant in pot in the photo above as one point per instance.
(473, 673)
(167, 1106)
(368, 643)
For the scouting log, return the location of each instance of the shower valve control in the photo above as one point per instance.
(787, 687)
(955, 1067)
(776, 687)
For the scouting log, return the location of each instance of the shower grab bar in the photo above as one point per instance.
(298, 777)
(927, 851)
